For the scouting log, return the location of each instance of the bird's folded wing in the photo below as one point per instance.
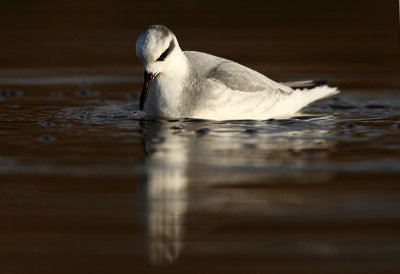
(240, 78)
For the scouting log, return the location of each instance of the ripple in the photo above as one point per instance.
(46, 139)
(87, 93)
(10, 93)
(202, 131)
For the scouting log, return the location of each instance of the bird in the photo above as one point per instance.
(189, 84)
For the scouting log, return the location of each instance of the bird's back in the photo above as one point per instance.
(231, 74)
(227, 90)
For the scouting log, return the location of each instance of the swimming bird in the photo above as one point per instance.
(190, 84)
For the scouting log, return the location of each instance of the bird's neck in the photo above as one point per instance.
(178, 68)
(170, 86)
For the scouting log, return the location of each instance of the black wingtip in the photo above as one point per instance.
(306, 84)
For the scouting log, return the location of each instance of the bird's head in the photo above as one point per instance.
(156, 48)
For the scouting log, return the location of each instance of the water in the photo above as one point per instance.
(89, 185)
(87, 177)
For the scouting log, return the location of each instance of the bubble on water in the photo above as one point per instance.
(271, 121)
(46, 139)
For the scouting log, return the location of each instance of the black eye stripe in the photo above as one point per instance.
(167, 51)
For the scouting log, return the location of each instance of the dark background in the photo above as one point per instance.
(323, 197)
(283, 39)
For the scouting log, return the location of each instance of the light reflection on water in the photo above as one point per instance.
(176, 152)
(166, 192)
(196, 166)
(320, 186)
(86, 185)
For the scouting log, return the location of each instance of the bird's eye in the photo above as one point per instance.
(162, 56)
(166, 52)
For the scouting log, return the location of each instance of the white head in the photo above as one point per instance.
(158, 50)
(153, 47)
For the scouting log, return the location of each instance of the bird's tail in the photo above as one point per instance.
(303, 97)
(317, 93)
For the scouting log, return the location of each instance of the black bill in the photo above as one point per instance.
(148, 78)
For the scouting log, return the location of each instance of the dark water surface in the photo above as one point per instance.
(87, 185)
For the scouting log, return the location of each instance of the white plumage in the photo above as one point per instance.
(198, 85)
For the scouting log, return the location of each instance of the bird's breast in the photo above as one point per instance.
(164, 98)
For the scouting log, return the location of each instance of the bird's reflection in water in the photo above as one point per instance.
(175, 151)
(165, 166)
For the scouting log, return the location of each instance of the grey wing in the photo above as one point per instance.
(241, 78)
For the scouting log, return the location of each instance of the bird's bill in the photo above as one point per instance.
(148, 78)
